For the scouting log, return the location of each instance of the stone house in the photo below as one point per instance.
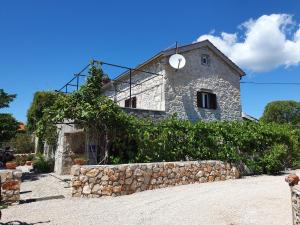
(206, 88)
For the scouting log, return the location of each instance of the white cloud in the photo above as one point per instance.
(266, 43)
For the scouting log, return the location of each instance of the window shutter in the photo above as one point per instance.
(133, 102)
(199, 99)
(213, 101)
(127, 103)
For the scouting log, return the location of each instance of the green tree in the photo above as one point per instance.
(8, 124)
(8, 127)
(41, 101)
(22, 143)
(282, 112)
(5, 98)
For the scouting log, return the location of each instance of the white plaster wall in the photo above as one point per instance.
(182, 85)
(149, 92)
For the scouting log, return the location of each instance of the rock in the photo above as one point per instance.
(140, 179)
(11, 185)
(138, 172)
(155, 175)
(147, 177)
(202, 180)
(86, 190)
(211, 178)
(128, 173)
(156, 169)
(96, 188)
(105, 178)
(117, 189)
(128, 181)
(83, 170)
(200, 174)
(113, 177)
(92, 173)
(100, 174)
(107, 190)
(75, 170)
(235, 172)
(76, 183)
(153, 181)
(134, 185)
(209, 168)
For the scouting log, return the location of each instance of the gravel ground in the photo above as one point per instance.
(262, 200)
(43, 185)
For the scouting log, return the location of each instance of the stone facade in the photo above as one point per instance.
(147, 88)
(146, 114)
(182, 85)
(176, 90)
(10, 185)
(116, 180)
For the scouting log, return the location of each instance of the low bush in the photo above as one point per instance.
(41, 165)
(22, 143)
(263, 148)
(22, 158)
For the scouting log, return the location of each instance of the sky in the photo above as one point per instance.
(43, 43)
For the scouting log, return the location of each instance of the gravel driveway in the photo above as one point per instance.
(262, 200)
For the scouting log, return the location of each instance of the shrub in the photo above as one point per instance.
(264, 148)
(41, 165)
(22, 143)
(274, 159)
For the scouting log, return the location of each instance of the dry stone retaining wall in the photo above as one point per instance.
(296, 204)
(10, 185)
(116, 180)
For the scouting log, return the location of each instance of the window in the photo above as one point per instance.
(205, 60)
(133, 103)
(206, 100)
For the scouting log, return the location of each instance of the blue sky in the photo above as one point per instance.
(42, 43)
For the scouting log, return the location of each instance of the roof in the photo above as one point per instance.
(185, 48)
(248, 117)
(21, 126)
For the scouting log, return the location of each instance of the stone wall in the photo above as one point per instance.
(146, 114)
(116, 180)
(296, 204)
(10, 185)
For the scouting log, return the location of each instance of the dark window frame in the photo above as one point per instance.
(133, 103)
(207, 60)
(206, 100)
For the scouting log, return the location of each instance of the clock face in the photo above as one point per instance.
(177, 61)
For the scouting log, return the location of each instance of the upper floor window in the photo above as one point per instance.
(205, 59)
(206, 100)
(133, 103)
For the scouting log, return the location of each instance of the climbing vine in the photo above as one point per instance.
(264, 148)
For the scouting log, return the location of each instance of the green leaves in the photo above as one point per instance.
(262, 147)
(255, 144)
(5, 98)
(8, 127)
(282, 112)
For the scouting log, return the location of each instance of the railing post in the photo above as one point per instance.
(130, 100)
